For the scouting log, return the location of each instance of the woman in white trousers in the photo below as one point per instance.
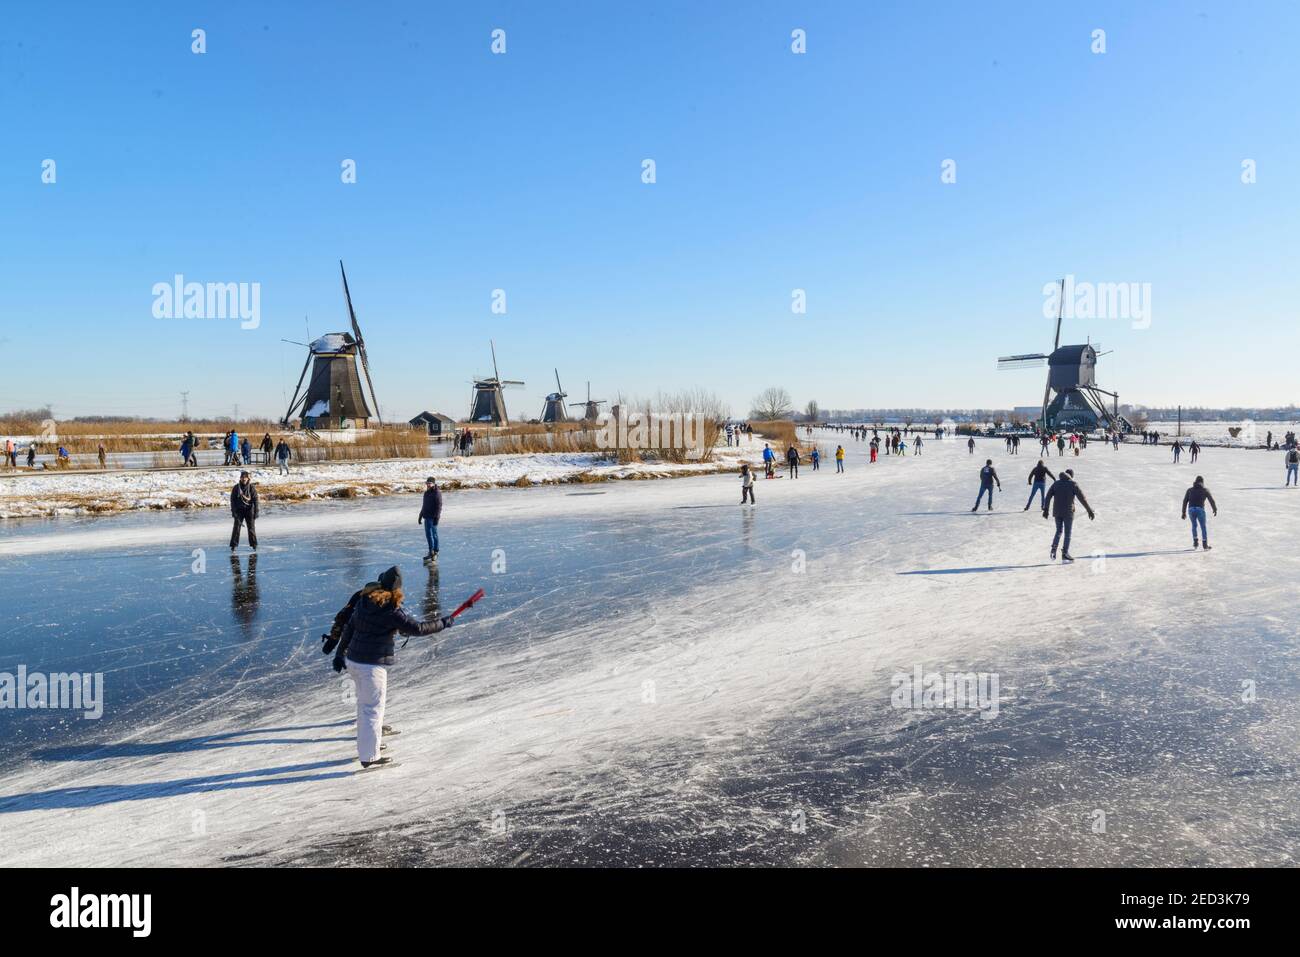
(367, 649)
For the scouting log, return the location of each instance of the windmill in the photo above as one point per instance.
(1072, 376)
(488, 403)
(590, 408)
(334, 398)
(554, 410)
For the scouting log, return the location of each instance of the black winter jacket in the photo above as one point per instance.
(1060, 498)
(243, 504)
(368, 637)
(1196, 497)
(431, 507)
(1039, 473)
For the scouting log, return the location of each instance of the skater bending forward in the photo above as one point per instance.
(367, 649)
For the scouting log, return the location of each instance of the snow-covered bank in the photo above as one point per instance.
(72, 493)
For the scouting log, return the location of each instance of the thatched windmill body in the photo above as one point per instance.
(554, 410)
(488, 403)
(590, 408)
(334, 397)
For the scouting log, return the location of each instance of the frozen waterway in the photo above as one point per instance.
(660, 676)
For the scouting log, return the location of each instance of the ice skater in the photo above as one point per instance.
(1060, 497)
(1178, 450)
(769, 460)
(1037, 482)
(816, 458)
(988, 475)
(747, 483)
(1194, 500)
(1195, 450)
(244, 509)
(430, 513)
(367, 649)
(792, 461)
(970, 445)
(839, 458)
(282, 456)
(1293, 467)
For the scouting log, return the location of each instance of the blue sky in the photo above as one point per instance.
(522, 171)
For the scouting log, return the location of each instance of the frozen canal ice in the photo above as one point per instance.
(660, 676)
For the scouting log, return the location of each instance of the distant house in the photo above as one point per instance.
(435, 422)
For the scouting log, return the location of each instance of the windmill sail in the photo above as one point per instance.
(1036, 360)
(361, 343)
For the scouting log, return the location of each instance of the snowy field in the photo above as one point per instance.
(661, 676)
(90, 493)
(1251, 434)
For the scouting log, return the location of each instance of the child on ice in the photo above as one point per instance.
(746, 485)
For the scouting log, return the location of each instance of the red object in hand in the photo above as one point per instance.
(468, 603)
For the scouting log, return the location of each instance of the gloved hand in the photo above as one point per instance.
(339, 664)
(1044, 513)
(1091, 516)
(448, 622)
(328, 643)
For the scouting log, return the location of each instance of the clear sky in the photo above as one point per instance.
(775, 171)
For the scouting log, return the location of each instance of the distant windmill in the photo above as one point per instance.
(554, 410)
(1071, 374)
(488, 403)
(590, 408)
(334, 398)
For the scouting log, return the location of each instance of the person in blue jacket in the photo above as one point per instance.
(769, 458)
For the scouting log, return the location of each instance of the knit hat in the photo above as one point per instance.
(391, 580)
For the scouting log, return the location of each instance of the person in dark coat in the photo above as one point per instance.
(1194, 500)
(1037, 481)
(267, 446)
(430, 513)
(243, 507)
(282, 456)
(367, 649)
(988, 475)
(1060, 499)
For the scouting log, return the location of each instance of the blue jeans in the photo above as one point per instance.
(1039, 489)
(1064, 524)
(1293, 474)
(983, 489)
(1197, 515)
(431, 535)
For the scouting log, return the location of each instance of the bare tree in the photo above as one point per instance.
(771, 404)
(812, 410)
